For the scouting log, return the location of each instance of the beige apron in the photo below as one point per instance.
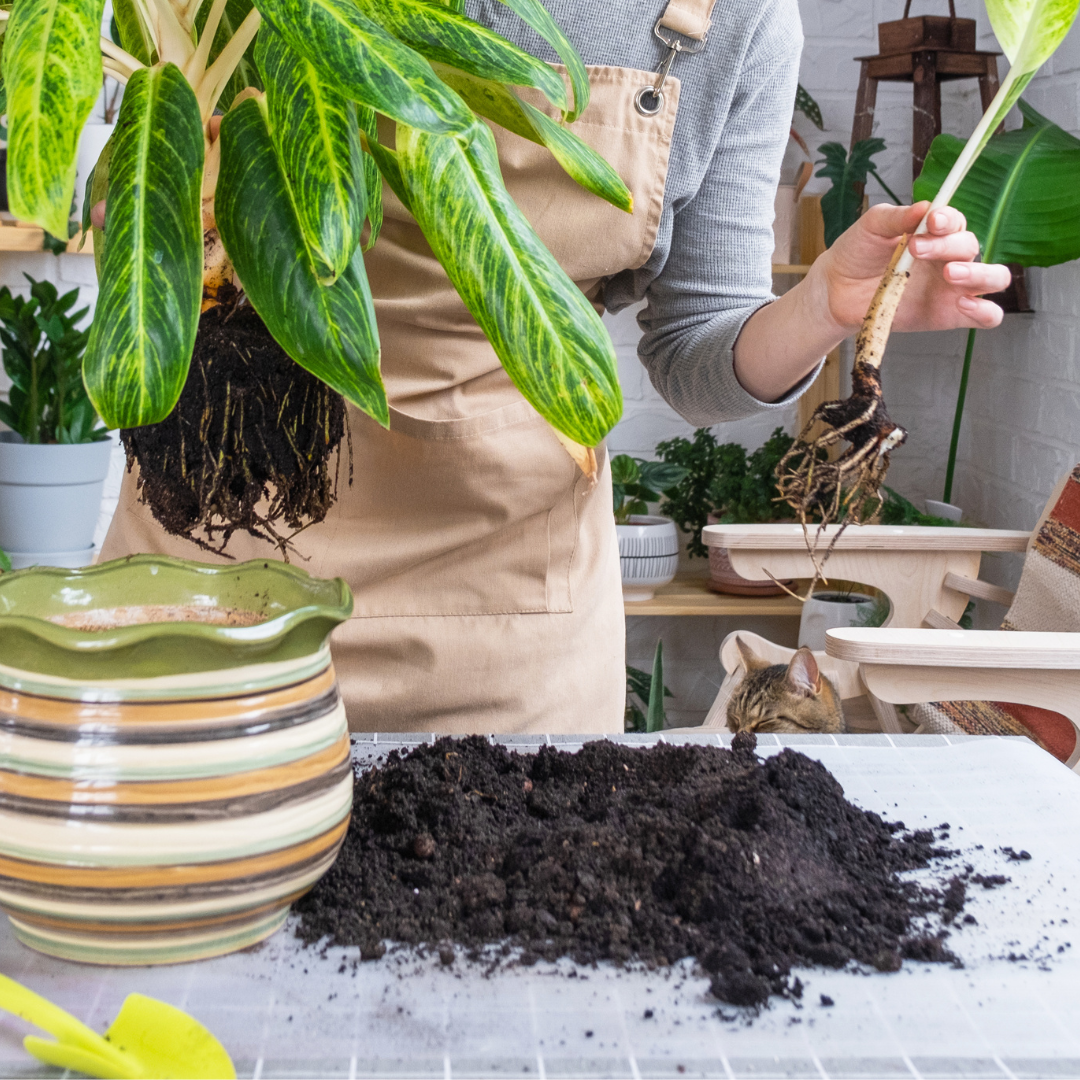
(484, 566)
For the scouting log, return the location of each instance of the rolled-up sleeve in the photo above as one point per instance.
(718, 269)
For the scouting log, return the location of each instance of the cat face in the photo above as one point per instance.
(784, 699)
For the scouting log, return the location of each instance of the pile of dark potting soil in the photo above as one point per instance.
(620, 853)
(251, 425)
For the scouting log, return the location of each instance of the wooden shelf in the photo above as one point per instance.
(688, 595)
(15, 236)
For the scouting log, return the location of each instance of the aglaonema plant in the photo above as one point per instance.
(846, 488)
(279, 202)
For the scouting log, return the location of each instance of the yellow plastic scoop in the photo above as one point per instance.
(148, 1039)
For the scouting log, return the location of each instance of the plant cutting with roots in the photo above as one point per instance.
(234, 318)
(845, 489)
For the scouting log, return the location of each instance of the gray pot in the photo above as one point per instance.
(50, 496)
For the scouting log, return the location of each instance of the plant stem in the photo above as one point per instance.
(213, 82)
(197, 65)
(958, 416)
(118, 58)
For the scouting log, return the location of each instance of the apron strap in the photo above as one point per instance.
(690, 18)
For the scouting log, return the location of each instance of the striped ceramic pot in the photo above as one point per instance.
(174, 757)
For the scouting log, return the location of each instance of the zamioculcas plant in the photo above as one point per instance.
(1021, 200)
(846, 489)
(282, 202)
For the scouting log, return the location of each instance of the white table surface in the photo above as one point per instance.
(283, 1010)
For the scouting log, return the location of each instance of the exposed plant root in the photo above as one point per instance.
(846, 490)
(248, 446)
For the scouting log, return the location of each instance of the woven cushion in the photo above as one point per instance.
(1047, 599)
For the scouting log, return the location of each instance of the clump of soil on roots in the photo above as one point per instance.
(615, 853)
(251, 443)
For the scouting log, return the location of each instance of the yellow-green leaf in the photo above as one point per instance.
(548, 337)
(52, 72)
(314, 129)
(1029, 31)
(327, 329)
(372, 178)
(147, 314)
(134, 36)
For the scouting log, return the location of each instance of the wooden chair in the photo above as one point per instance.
(1033, 668)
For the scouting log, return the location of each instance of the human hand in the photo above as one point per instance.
(946, 282)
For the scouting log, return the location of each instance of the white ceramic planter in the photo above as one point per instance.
(50, 496)
(944, 510)
(91, 142)
(648, 554)
(826, 611)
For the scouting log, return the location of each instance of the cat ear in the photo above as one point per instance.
(751, 660)
(802, 673)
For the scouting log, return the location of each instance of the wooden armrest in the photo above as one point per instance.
(981, 590)
(867, 538)
(956, 648)
(934, 620)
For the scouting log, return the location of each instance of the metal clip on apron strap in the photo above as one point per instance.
(683, 28)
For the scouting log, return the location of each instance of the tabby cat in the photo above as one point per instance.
(795, 698)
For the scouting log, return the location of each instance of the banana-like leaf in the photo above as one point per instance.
(440, 33)
(140, 345)
(547, 335)
(1029, 31)
(246, 73)
(537, 16)
(327, 329)
(315, 132)
(1021, 198)
(52, 71)
(505, 108)
(372, 177)
(367, 63)
(134, 35)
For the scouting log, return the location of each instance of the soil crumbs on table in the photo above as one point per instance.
(625, 854)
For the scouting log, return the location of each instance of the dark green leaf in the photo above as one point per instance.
(134, 36)
(842, 204)
(1021, 197)
(52, 72)
(99, 189)
(624, 469)
(5, 562)
(537, 16)
(805, 104)
(547, 335)
(372, 177)
(327, 329)
(581, 162)
(656, 718)
(315, 133)
(367, 64)
(390, 168)
(442, 34)
(151, 282)
(246, 73)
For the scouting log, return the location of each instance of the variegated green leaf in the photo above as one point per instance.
(537, 16)
(147, 314)
(547, 335)
(327, 329)
(505, 108)
(372, 177)
(315, 132)
(52, 71)
(99, 190)
(442, 34)
(386, 161)
(246, 73)
(367, 63)
(134, 35)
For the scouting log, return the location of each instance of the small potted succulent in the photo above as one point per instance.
(723, 484)
(648, 543)
(54, 460)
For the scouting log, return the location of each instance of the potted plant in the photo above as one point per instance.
(282, 199)
(724, 484)
(648, 543)
(54, 460)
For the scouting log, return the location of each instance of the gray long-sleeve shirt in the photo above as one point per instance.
(710, 269)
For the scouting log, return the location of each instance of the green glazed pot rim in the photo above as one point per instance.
(330, 599)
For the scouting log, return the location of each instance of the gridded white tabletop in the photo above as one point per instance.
(286, 1011)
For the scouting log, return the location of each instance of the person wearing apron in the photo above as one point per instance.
(483, 564)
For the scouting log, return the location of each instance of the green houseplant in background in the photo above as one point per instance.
(54, 461)
(842, 204)
(645, 693)
(1022, 200)
(283, 195)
